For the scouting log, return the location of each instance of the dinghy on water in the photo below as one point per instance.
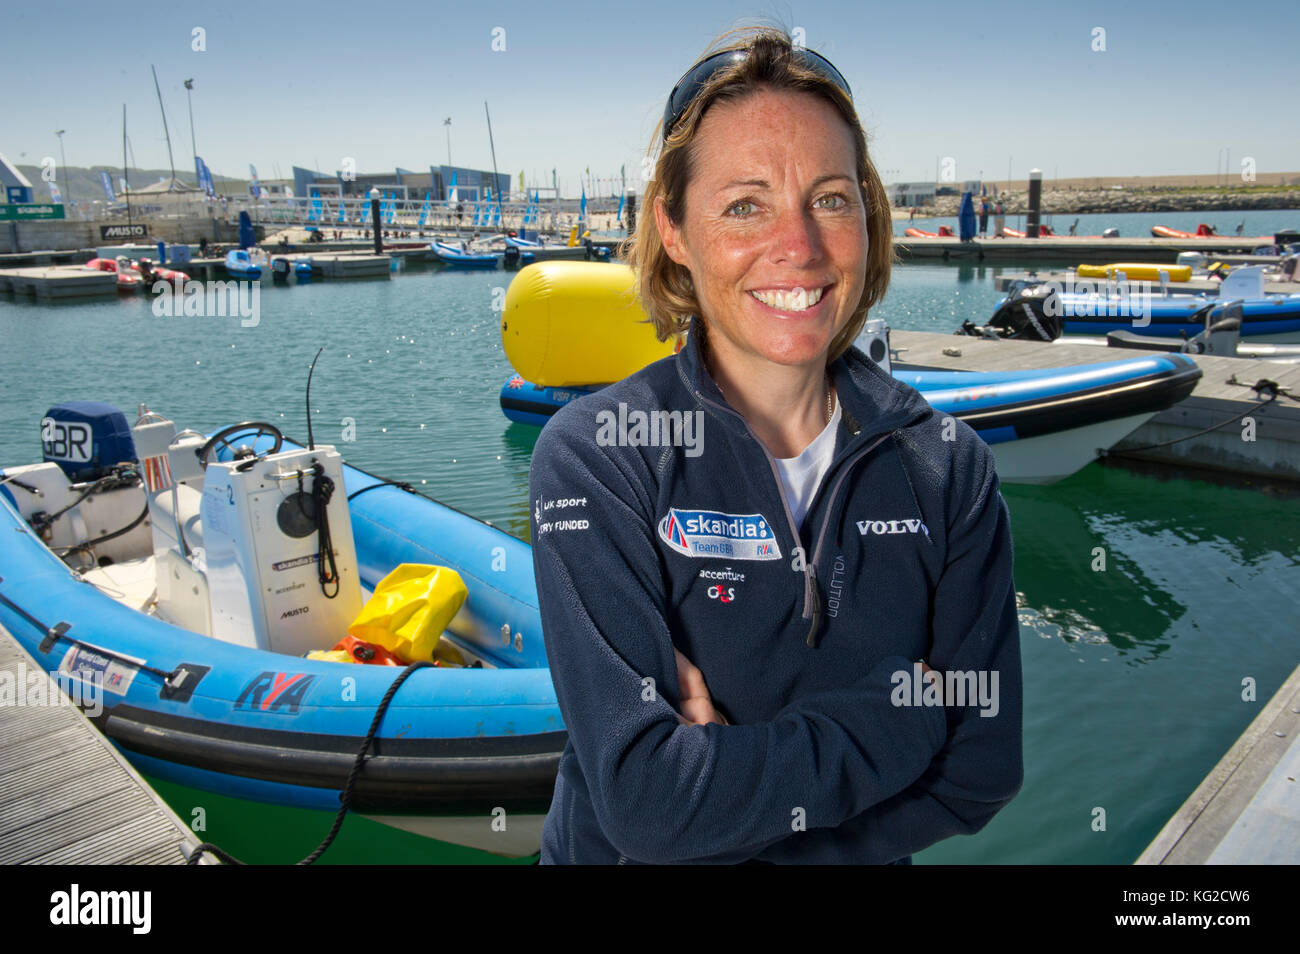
(188, 575)
(241, 263)
(454, 256)
(1031, 310)
(1043, 425)
(585, 251)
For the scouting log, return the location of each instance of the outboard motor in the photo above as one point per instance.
(280, 270)
(511, 256)
(1033, 314)
(873, 341)
(1110, 233)
(87, 439)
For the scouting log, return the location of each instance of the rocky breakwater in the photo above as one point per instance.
(1078, 202)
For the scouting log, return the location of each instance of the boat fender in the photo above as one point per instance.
(567, 323)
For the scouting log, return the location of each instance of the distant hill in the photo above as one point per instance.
(85, 186)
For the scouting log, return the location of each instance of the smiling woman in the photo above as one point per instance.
(738, 656)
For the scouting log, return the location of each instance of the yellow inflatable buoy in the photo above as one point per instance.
(572, 323)
(1137, 271)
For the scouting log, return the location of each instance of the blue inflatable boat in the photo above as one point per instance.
(1043, 425)
(456, 257)
(188, 592)
(1275, 318)
(239, 264)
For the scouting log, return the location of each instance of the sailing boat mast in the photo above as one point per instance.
(170, 162)
(496, 179)
(126, 176)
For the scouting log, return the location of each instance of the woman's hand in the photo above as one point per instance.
(697, 705)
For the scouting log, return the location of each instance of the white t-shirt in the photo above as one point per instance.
(802, 475)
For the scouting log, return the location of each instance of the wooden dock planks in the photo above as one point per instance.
(67, 796)
(1247, 810)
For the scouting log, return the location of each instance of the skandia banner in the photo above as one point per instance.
(107, 183)
(709, 533)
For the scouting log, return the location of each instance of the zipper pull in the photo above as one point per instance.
(816, 607)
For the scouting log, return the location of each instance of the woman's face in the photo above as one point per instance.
(775, 232)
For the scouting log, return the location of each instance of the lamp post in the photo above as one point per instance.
(67, 186)
(189, 86)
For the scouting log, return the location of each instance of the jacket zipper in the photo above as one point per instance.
(845, 469)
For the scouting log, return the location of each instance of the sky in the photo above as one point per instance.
(572, 85)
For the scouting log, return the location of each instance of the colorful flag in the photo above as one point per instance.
(157, 473)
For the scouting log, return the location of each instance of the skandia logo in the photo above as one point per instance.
(707, 533)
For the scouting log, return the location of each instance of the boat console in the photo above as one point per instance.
(278, 552)
(239, 549)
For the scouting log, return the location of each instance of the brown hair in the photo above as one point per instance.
(664, 287)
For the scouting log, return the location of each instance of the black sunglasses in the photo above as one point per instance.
(695, 79)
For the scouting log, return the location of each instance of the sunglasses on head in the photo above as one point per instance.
(695, 79)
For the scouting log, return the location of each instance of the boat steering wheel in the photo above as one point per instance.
(222, 438)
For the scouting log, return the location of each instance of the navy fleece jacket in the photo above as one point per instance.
(659, 522)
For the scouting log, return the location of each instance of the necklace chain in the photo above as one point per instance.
(830, 391)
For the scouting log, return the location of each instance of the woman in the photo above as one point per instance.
(736, 598)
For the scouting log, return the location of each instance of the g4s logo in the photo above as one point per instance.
(723, 594)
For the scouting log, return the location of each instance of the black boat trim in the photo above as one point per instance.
(427, 775)
(1040, 416)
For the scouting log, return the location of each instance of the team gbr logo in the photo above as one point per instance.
(707, 533)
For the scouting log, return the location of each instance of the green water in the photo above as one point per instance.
(1133, 674)
(275, 835)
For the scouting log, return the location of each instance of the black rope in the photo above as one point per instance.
(122, 475)
(60, 631)
(25, 486)
(109, 536)
(322, 489)
(384, 483)
(1264, 386)
(345, 797)
(1103, 452)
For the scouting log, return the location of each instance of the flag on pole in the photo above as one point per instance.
(582, 208)
(107, 183)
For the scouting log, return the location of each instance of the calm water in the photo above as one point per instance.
(1133, 674)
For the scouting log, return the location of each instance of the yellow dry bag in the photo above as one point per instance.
(411, 607)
